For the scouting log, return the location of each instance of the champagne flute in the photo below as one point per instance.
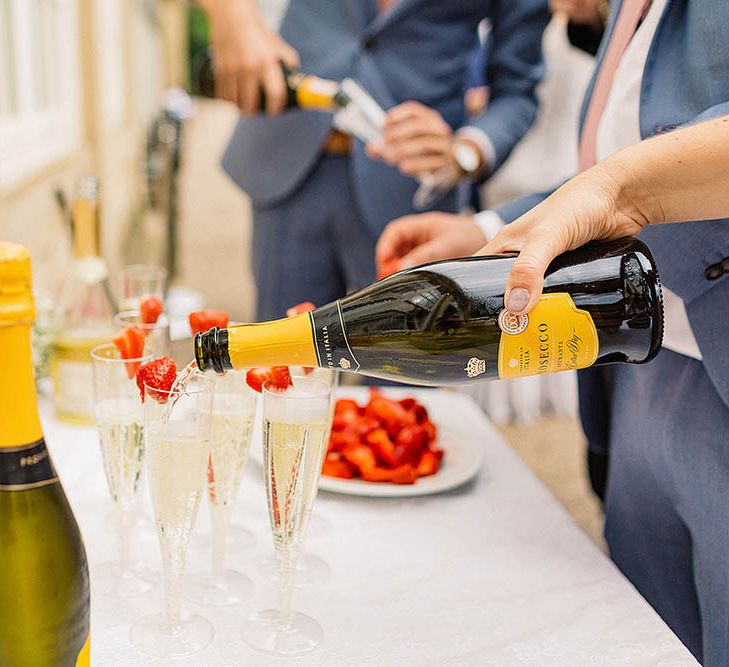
(140, 280)
(156, 336)
(119, 420)
(234, 407)
(295, 426)
(177, 428)
(311, 570)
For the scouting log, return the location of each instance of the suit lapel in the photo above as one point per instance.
(381, 21)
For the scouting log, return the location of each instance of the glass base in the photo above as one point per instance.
(310, 570)
(269, 632)
(229, 588)
(154, 635)
(241, 539)
(109, 579)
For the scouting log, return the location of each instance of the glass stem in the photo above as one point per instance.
(220, 520)
(286, 559)
(122, 533)
(172, 577)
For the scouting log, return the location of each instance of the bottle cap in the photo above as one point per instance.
(16, 291)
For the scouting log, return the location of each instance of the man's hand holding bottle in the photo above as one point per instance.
(247, 56)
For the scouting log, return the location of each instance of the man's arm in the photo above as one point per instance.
(514, 68)
(247, 56)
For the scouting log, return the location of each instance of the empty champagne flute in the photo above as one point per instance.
(140, 280)
(295, 426)
(234, 407)
(119, 420)
(177, 426)
(156, 336)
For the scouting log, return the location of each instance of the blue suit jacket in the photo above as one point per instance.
(417, 51)
(686, 80)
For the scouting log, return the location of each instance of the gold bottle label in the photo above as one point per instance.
(554, 336)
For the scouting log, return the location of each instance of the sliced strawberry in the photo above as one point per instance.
(429, 463)
(304, 307)
(158, 374)
(410, 444)
(337, 468)
(387, 268)
(278, 377)
(211, 479)
(380, 443)
(361, 457)
(130, 344)
(150, 308)
(203, 320)
(404, 474)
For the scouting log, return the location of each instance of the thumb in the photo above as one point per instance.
(526, 280)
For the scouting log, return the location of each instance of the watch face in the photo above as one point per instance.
(467, 157)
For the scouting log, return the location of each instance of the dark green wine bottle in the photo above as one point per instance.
(44, 581)
(445, 323)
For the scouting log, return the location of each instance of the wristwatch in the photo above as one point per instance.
(467, 157)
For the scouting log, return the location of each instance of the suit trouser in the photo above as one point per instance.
(667, 507)
(313, 246)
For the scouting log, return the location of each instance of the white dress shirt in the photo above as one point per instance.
(619, 128)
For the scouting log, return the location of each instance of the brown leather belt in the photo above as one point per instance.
(337, 143)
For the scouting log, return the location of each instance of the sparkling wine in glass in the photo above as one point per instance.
(234, 407)
(119, 421)
(295, 427)
(177, 426)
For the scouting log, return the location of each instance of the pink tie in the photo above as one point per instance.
(631, 12)
(385, 5)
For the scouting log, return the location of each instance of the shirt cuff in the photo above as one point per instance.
(489, 222)
(485, 145)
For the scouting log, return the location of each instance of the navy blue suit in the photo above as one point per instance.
(418, 51)
(667, 423)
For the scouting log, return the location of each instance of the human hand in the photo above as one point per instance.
(582, 12)
(416, 140)
(417, 239)
(590, 206)
(247, 58)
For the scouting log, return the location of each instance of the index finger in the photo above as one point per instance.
(399, 237)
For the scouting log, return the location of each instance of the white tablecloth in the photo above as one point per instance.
(493, 573)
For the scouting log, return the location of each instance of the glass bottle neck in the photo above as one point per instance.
(19, 421)
(85, 225)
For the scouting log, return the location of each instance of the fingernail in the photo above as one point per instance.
(517, 300)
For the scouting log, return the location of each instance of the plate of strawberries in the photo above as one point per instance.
(385, 443)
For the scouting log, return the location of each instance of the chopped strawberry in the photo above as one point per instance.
(337, 468)
(278, 377)
(130, 344)
(404, 474)
(304, 307)
(390, 414)
(387, 268)
(429, 462)
(382, 446)
(211, 479)
(361, 457)
(340, 440)
(150, 308)
(204, 320)
(159, 374)
(410, 443)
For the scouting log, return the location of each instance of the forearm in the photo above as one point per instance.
(675, 177)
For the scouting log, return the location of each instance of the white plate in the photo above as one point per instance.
(463, 453)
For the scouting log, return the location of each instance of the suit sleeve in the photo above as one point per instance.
(514, 68)
(517, 207)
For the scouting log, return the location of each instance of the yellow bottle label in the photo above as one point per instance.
(554, 336)
(315, 93)
(84, 657)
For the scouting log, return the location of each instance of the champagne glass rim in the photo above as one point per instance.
(144, 268)
(101, 353)
(316, 389)
(208, 385)
(122, 319)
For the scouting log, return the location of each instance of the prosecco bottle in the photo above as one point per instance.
(445, 323)
(44, 582)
